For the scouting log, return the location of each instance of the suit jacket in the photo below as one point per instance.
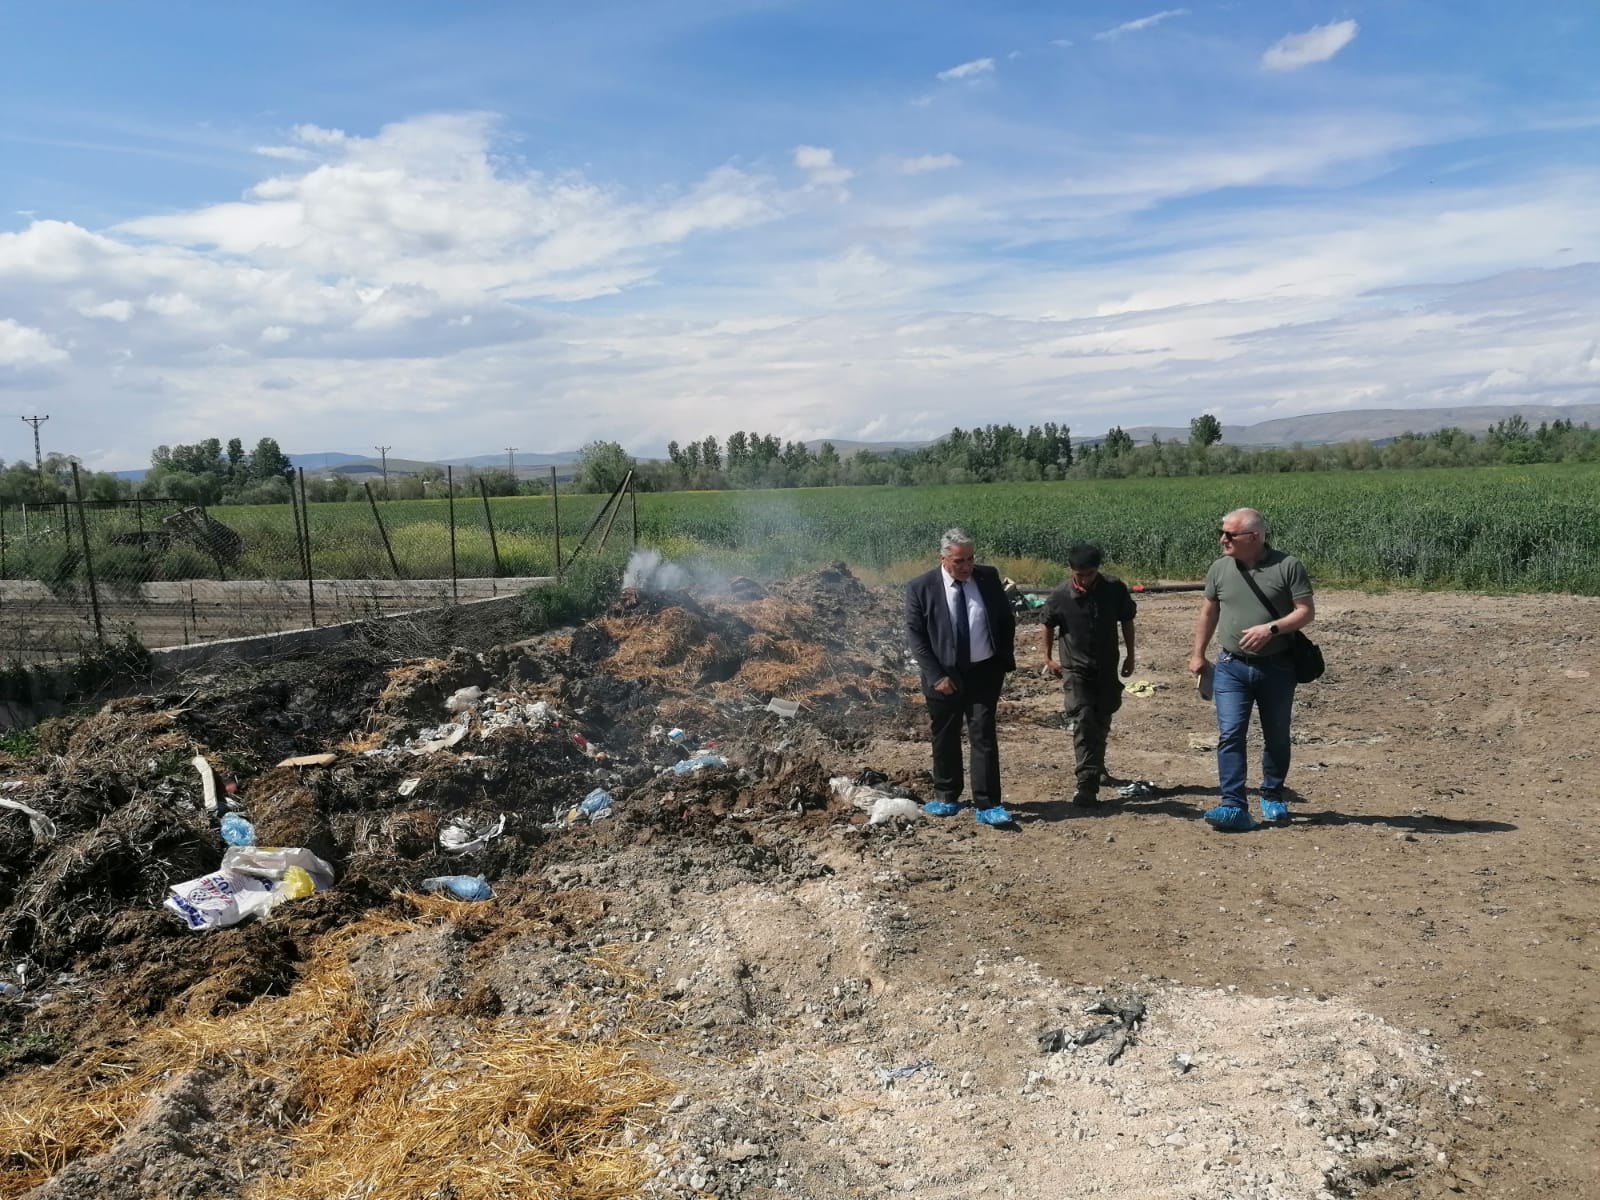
(931, 635)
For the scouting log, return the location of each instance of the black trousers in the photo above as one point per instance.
(973, 706)
(1092, 698)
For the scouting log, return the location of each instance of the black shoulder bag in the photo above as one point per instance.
(1305, 656)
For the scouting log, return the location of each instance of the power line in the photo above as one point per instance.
(383, 452)
(38, 459)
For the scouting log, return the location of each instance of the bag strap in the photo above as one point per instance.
(1265, 603)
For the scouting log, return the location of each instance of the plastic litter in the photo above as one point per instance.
(463, 700)
(208, 781)
(270, 863)
(890, 808)
(440, 737)
(407, 786)
(1141, 687)
(44, 829)
(783, 708)
(237, 831)
(461, 836)
(698, 763)
(889, 1076)
(596, 806)
(219, 899)
(676, 735)
(462, 887)
(1137, 789)
(857, 792)
(8, 989)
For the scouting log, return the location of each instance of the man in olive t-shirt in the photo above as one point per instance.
(1253, 667)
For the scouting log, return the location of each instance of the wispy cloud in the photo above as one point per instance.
(1141, 23)
(820, 168)
(968, 70)
(924, 163)
(1315, 45)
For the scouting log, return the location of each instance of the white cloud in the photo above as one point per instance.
(1061, 42)
(820, 168)
(1141, 23)
(968, 70)
(1315, 45)
(24, 346)
(924, 163)
(111, 310)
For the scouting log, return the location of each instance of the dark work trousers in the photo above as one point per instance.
(1092, 696)
(974, 705)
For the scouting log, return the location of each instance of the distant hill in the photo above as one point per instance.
(847, 448)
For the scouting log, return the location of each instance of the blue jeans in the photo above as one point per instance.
(1268, 685)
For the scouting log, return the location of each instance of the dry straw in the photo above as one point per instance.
(420, 1101)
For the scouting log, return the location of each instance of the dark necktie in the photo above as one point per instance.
(963, 631)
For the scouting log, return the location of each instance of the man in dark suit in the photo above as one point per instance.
(962, 632)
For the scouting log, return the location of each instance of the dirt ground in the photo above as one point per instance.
(1389, 997)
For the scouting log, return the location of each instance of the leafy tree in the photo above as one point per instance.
(1205, 430)
(602, 466)
(1118, 442)
(269, 462)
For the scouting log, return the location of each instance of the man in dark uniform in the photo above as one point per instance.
(1083, 616)
(961, 631)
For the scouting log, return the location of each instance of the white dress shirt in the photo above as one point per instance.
(979, 640)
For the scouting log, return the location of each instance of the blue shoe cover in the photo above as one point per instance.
(1274, 810)
(1229, 817)
(941, 808)
(993, 816)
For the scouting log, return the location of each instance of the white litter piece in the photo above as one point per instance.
(461, 836)
(441, 737)
(463, 700)
(219, 899)
(783, 708)
(407, 786)
(859, 794)
(271, 862)
(44, 829)
(208, 781)
(890, 808)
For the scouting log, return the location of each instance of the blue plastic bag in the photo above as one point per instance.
(237, 831)
(462, 887)
(698, 763)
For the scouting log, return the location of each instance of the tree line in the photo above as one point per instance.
(216, 472)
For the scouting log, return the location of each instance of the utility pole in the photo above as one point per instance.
(38, 459)
(383, 452)
(511, 467)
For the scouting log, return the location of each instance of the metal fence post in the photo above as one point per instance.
(382, 532)
(450, 492)
(88, 559)
(555, 499)
(305, 517)
(488, 519)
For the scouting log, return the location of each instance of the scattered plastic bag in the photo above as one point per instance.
(462, 887)
(407, 786)
(219, 899)
(237, 831)
(859, 794)
(890, 808)
(461, 836)
(272, 862)
(1137, 789)
(596, 806)
(463, 700)
(441, 737)
(44, 829)
(783, 708)
(698, 763)
(1141, 687)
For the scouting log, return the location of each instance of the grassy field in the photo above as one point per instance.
(1499, 529)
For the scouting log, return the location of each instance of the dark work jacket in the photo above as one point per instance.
(931, 636)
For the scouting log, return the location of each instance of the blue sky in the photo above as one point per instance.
(449, 229)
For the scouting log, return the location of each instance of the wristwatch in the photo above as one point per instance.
(1273, 629)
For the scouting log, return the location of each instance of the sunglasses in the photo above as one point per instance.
(1228, 535)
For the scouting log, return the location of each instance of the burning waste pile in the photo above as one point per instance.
(208, 888)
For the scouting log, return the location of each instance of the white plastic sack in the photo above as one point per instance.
(44, 829)
(858, 794)
(461, 836)
(268, 863)
(889, 808)
(219, 899)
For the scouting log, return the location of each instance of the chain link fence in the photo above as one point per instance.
(79, 575)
